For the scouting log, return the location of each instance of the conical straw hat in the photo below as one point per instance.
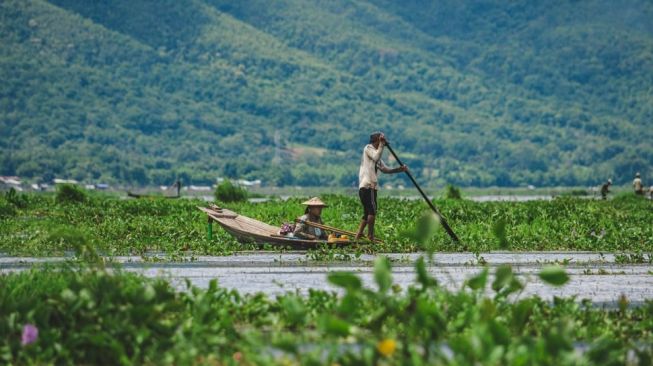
(314, 202)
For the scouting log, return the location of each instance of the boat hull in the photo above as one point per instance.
(249, 231)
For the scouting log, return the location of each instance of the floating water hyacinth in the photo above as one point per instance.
(30, 334)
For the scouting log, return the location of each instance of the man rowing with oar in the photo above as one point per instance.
(371, 163)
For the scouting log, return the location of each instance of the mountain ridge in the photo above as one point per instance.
(213, 88)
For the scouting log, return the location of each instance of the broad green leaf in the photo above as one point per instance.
(149, 292)
(499, 231)
(348, 304)
(334, 326)
(68, 295)
(502, 277)
(500, 333)
(345, 280)
(554, 275)
(382, 274)
(422, 275)
(487, 309)
(479, 281)
(286, 343)
(294, 309)
(515, 285)
(425, 227)
(521, 312)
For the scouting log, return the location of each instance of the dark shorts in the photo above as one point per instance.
(368, 199)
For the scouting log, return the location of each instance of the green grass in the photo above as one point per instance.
(116, 226)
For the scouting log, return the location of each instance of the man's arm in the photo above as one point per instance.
(299, 231)
(385, 169)
(374, 154)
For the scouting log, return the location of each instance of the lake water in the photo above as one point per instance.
(483, 198)
(593, 276)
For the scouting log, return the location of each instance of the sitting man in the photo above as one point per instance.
(312, 213)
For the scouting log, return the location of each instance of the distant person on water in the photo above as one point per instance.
(313, 213)
(605, 189)
(177, 187)
(371, 163)
(637, 184)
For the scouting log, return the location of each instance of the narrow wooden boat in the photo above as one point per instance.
(248, 230)
(138, 195)
(176, 186)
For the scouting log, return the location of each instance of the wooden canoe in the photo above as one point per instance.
(138, 195)
(248, 230)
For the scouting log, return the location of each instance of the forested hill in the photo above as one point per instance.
(471, 93)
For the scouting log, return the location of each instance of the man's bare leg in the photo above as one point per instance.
(370, 227)
(361, 227)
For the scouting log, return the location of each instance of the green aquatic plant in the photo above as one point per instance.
(88, 314)
(499, 231)
(554, 275)
(228, 192)
(452, 193)
(19, 200)
(70, 193)
(7, 209)
(178, 228)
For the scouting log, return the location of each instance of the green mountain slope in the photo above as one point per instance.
(484, 93)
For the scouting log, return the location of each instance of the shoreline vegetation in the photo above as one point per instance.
(50, 224)
(391, 191)
(83, 313)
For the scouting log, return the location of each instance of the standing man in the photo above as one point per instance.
(605, 189)
(177, 186)
(371, 163)
(637, 184)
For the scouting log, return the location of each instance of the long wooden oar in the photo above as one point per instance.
(446, 226)
(333, 229)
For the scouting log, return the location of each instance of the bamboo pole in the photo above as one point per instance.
(443, 222)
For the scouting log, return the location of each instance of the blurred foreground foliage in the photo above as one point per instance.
(87, 313)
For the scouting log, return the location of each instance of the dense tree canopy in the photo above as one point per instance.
(480, 93)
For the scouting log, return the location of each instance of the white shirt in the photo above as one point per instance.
(367, 177)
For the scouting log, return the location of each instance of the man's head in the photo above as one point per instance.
(314, 206)
(637, 175)
(609, 181)
(315, 210)
(375, 138)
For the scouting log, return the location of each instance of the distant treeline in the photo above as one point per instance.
(479, 93)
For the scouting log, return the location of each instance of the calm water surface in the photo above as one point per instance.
(593, 276)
